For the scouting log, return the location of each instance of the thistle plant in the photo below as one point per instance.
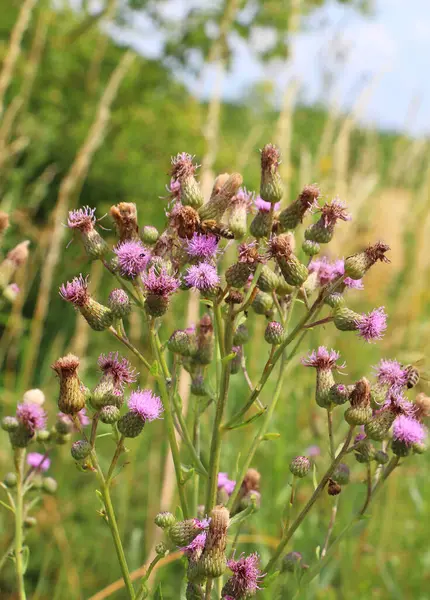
(249, 258)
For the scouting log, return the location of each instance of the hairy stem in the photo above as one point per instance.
(19, 535)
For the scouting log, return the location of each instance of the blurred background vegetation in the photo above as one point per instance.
(85, 121)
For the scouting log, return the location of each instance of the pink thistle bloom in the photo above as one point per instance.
(332, 211)
(371, 327)
(31, 416)
(398, 403)
(202, 246)
(38, 461)
(75, 291)
(133, 257)
(182, 165)
(328, 272)
(243, 197)
(145, 405)
(408, 430)
(14, 287)
(246, 575)
(313, 451)
(359, 437)
(202, 277)
(84, 420)
(159, 284)
(174, 188)
(264, 206)
(323, 359)
(391, 373)
(119, 369)
(225, 483)
(82, 219)
(195, 547)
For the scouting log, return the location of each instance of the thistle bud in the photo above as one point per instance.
(98, 317)
(109, 414)
(83, 220)
(80, 449)
(183, 171)
(198, 386)
(358, 415)
(219, 202)
(130, 425)
(271, 187)
(156, 306)
(49, 485)
(281, 249)
(125, 216)
(234, 297)
(165, 520)
(62, 438)
(294, 214)
(335, 301)
(251, 498)
(300, 466)
(260, 224)
(10, 480)
(236, 362)
(213, 561)
(180, 342)
(341, 474)
(377, 429)
(381, 457)
(419, 448)
(9, 424)
(63, 426)
(268, 280)
(323, 230)
(237, 275)
(14, 259)
(345, 319)
(339, 394)
(310, 248)
(72, 395)
(365, 451)
(274, 334)
(237, 213)
(241, 335)
(283, 288)
(333, 488)
(291, 562)
(400, 449)
(119, 303)
(43, 435)
(357, 265)
(205, 341)
(262, 303)
(324, 361)
(149, 235)
(183, 533)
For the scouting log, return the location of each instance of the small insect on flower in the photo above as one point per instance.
(133, 258)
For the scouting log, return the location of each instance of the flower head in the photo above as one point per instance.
(202, 246)
(38, 461)
(202, 277)
(75, 291)
(329, 271)
(332, 211)
(119, 369)
(264, 206)
(32, 416)
(397, 403)
(159, 284)
(182, 165)
(323, 359)
(82, 219)
(133, 257)
(371, 327)
(246, 575)
(243, 197)
(313, 451)
(84, 420)
(225, 483)
(391, 373)
(146, 405)
(197, 546)
(408, 430)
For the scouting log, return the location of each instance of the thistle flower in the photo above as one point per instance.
(322, 231)
(357, 265)
(324, 361)
(118, 370)
(119, 303)
(391, 373)
(185, 220)
(194, 549)
(83, 220)
(38, 461)
(202, 277)
(246, 577)
(146, 405)
(31, 416)
(159, 286)
(263, 206)
(202, 246)
(260, 225)
(98, 317)
(183, 170)
(82, 417)
(271, 187)
(408, 430)
(72, 396)
(294, 214)
(371, 327)
(133, 258)
(125, 216)
(213, 562)
(225, 483)
(398, 404)
(329, 271)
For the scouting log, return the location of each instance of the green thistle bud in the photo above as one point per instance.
(241, 335)
(62, 438)
(262, 303)
(43, 435)
(377, 429)
(63, 426)
(381, 457)
(80, 449)
(418, 448)
(213, 561)
(335, 301)
(109, 414)
(9, 424)
(95, 246)
(274, 334)
(271, 187)
(98, 317)
(325, 381)
(294, 272)
(310, 248)
(333, 488)
(105, 394)
(268, 280)
(20, 437)
(357, 265)
(165, 520)
(180, 342)
(119, 303)
(339, 394)
(149, 234)
(182, 533)
(198, 386)
(291, 562)
(341, 474)
(322, 231)
(377, 396)
(237, 214)
(300, 466)
(236, 362)
(346, 319)
(161, 549)
(191, 194)
(358, 415)
(283, 288)
(400, 449)
(221, 198)
(260, 224)
(156, 305)
(365, 451)
(49, 485)
(237, 275)
(130, 425)
(30, 522)
(10, 480)
(294, 214)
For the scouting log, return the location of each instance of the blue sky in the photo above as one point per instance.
(388, 51)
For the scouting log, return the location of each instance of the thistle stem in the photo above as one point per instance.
(130, 346)
(330, 526)
(118, 451)
(19, 536)
(330, 432)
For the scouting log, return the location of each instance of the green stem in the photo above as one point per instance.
(7, 554)
(299, 519)
(196, 445)
(330, 526)
(289, 507)
(330, 432)
(130, 346)
(376, 488)
(118, 451)
(144, 590)
(187, 439)
(19, 536)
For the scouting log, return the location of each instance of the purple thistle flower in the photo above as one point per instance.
(82, 219)
(313, 451)
(133, 257)
(202, 277)
(246, 575)
(398, 403)
(75, 291)
(174, 188)
(333, 211)
(14, 287)
(182, 165)
(225, 483)
(160, 284)
(202, 246)
(264, 206)
(38, 461)
(31, 416)
(391, 373)
(84, 420)
(119, 369)
(243, 197)
(327, 272)
(146, 405)
(323, 359)
(408, 430)
(196, 546)
(359, 437)
(371, 327)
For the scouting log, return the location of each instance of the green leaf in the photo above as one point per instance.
(248, 421)
(179, 514)
(187, 472)
(228, 358)
(267, 437)
(25, 558)
(158, 593)
(154, 369)
(6, 506)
